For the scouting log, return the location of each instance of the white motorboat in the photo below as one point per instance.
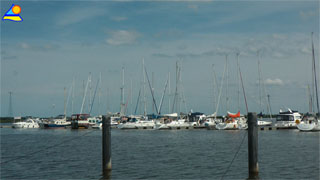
(129, 122)
(29, 123)
(145, 124)
(264, 123)
(176, 124)
(288, 119)
(94, 120)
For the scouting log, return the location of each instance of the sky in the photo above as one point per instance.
(59, 42)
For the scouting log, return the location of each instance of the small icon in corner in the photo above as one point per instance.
(13, 14)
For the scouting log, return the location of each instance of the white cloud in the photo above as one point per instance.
(122, 37)
(305, 50)
(77, 15)
(38, 47)
(119, 18)
(277, 82)
(279, 36)
(193, 7)
(24, 45)
(307, 14)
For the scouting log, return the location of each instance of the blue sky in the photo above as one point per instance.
(62, 40)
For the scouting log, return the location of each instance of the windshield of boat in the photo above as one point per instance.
(285, 118)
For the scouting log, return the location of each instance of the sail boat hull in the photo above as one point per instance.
(309, 126)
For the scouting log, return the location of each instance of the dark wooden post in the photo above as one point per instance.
(106, 144)
(253, 146)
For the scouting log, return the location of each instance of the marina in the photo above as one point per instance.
(154, 90)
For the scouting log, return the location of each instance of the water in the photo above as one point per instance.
(151, 154)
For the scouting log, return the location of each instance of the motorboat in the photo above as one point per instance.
(264, 123)
(58, 122)
(94, 120)
(176, 124)
(211, 121)
(29, 123)
(80, 121)
(287, 119)
(129, 122)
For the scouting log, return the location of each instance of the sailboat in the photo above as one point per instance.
(235, 121)
(310, 121)
(61, 120)
(260, 121)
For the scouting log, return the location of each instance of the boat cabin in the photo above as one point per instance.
(288, 116)
(79, 120)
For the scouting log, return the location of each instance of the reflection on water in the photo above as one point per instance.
(151, 154)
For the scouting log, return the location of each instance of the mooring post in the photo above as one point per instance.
(106, 144)
(253, 146)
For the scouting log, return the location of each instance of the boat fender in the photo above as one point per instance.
(297, 121)
(234, 126)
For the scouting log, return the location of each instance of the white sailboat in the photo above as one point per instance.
(235, 121)
(260, 121)
(310, 121)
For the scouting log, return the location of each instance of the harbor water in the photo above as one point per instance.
(152, 154)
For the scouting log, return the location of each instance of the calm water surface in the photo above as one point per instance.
(151, 154)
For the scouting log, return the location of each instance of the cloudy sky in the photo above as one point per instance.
(59, 41)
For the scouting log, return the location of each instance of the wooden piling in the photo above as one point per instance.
(106, 144)
(253, 146)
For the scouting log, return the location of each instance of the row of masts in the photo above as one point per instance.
(178, 98)
(178, 94)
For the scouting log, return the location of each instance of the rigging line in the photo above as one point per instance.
(48, 147)
(154, 101)
(235, 155)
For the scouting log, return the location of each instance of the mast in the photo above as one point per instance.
(259, 73)
(99, 96)
(144, 89)
(90, 92)
(84, 95)
(135, 111)
(131, 107)
(152, 88)
(107, 100)
(122, 94)
(72, 102)
(153, 99)
(244, 93)
(270, 111)
(227, 89)
(214, 86)
(315, 74)
(164, 91)
(177, 85)
(65, 102)
(217, 105)
(169, 94)
(183, 98)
